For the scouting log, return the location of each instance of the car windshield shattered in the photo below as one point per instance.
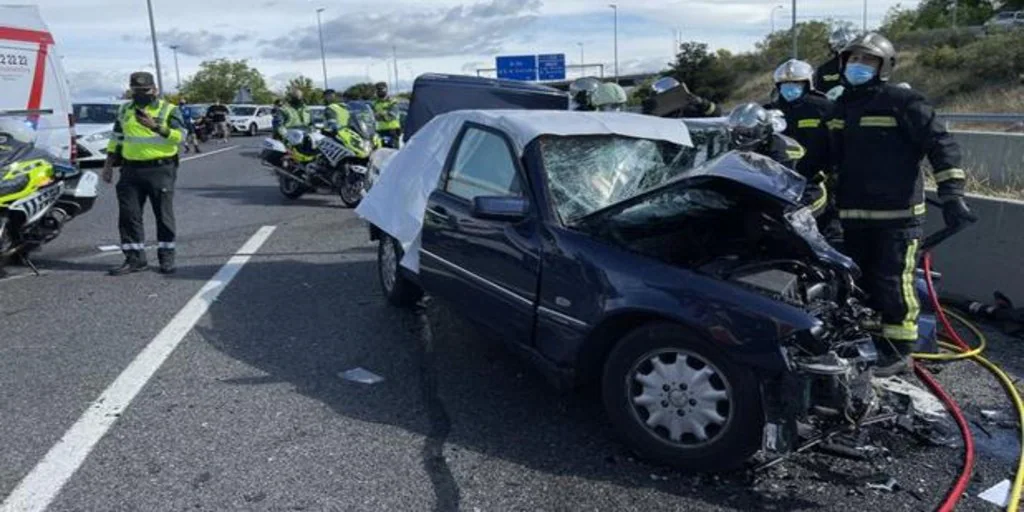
(590, 173)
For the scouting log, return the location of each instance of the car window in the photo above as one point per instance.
(98, 113)
(483, 166)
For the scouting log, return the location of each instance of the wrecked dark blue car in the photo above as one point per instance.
(690, 285)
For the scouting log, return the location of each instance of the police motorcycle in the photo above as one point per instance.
(308, 160)
(39, 193)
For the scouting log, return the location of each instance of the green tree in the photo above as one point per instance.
(933, 14)
(363, 91)
(898, 22)
(312, 94)
(220, 80)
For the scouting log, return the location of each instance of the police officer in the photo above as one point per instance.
(145, 145)
(336, 115)
(388, 124)
(292, 114)
(880, 133)
(751, 129)
(672, 98)
(827, 77)
(805, 109)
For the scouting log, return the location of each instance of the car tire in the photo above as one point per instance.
(707, 382)
(253, 130)
(398, 290)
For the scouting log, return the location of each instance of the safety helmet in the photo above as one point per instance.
(581, 90)
(840, 38)
(778, 119)
(876, 45)
(609, 96)
(749, 126)
(794, 70)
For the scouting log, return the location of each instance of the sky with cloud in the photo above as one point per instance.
(102, 41)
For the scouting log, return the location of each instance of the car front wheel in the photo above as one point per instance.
(253, 130)
(678, 400)
(398, 289)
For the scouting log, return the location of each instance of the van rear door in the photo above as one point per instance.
(33, 79)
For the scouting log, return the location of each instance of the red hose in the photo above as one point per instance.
(958, 489)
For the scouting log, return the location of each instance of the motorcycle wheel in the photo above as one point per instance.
(7, 249)
(350, 193)
(290, 188)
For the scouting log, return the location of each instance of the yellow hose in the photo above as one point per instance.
(957, 354)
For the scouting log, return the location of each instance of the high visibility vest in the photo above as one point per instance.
(140, 144)
(340, 114)
(385, 119)
(296, 117)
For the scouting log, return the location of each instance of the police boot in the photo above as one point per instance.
(166, 261)
(134, 261)
(893, 358)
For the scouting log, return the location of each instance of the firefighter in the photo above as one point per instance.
(804, 109)
(609, 97)
(880, 133)
(672, 98)
(751, 129)
(827, 77)
(147, 133)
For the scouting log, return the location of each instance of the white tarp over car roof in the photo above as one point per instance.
(398, 199)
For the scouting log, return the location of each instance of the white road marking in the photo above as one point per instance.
(41, 486)
(109, 248)
(211, 153)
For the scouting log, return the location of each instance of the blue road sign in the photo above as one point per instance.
(551, 67)
(517, 67)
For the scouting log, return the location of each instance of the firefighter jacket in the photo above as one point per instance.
(828, 75)
(804, 119)
(879, 135)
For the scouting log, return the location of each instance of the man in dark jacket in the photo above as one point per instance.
(880, 133)
(827, 76)
(804, 109)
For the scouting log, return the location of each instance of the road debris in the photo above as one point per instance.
(883, 482)
(361, 375)
(998, 494)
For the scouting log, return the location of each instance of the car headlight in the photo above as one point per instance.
(99, 136)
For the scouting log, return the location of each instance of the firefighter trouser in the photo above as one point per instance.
(137, 184)
(888, 258)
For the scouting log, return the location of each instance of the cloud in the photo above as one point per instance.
(476, 29)
(195, 44)
(96, 85)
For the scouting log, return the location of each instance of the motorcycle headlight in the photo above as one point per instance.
(99, 136)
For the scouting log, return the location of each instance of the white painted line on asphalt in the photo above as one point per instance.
(44, 482)
(211, 153)
(109, 248)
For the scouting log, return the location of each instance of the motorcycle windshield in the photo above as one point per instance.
(362, 127)
(17, 137)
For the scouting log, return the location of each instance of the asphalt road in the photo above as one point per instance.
(251, 412)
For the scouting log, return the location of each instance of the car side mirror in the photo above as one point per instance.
(506, 208)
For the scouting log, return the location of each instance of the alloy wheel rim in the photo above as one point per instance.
(679, 398)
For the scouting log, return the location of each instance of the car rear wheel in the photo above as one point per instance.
(398, 289)
(253, 130)
(680, 401)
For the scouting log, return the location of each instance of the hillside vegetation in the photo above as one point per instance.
(963, 70)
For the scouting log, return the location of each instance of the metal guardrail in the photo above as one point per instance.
(949, 117)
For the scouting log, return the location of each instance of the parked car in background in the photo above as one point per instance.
(1007, 20)
(94, 125)
(251, 119)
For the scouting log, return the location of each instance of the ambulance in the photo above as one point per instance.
(33, 84)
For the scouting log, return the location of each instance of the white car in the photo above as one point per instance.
(251, 119)
(94, 125)
(1006, 20)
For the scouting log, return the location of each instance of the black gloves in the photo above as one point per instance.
(956, 213)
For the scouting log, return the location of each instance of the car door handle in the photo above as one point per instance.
(438, 211)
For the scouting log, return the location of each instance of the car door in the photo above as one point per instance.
(264, 119)
(489, 268)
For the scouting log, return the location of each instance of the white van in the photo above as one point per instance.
(32, 79)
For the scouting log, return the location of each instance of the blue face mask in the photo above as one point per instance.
(791, 92)
(859, 74)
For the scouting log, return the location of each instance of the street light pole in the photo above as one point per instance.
(177, 72)
(394, 53)
(954, 14)
(777, 7)
(323, 55)
(795, 35)
(615, 7)
(865, 16)
(156, 51)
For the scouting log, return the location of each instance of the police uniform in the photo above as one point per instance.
(289, 116)
(149, 168)
(387, 123)
(880, 133)
(828, 75)
(338, 113)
